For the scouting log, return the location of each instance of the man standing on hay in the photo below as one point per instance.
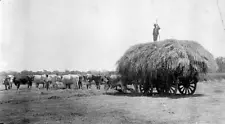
(156, 32)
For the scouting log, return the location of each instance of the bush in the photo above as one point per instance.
(212, 76)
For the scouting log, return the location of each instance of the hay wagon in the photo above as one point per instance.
(171, 84)
(168, 65)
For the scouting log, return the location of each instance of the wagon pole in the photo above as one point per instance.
(220, 15)
(157, 24)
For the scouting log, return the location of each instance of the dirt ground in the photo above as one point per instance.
(206, 106)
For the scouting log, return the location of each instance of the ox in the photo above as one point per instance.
(23, 80)
(70, 79)
(113, 82)
(55, 80)
(39, 79)
(46, 80)
(88, 80)
(97, 79)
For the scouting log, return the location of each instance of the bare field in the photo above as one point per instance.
(35, 106)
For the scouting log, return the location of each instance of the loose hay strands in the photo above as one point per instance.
(166, 56)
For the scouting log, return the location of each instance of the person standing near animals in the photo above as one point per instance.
(48, 81)
(156, 32)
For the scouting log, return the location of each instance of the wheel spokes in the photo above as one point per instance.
(187, 90)
(173, 89)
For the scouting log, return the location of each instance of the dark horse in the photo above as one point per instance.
(23, 80)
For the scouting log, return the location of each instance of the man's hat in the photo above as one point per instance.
(155, 24)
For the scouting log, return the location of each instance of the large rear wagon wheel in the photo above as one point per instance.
(188, 88)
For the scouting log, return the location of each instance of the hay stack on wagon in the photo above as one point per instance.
(161, 64)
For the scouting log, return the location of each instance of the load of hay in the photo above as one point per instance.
(170, 56)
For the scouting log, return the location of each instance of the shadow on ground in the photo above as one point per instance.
(155, 95)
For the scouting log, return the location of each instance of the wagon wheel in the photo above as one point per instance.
(172, 90)
(159, 89)
(142, 89)
(187, 88)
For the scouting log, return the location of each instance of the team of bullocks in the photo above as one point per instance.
(56, 81)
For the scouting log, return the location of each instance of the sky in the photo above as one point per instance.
(93, 34)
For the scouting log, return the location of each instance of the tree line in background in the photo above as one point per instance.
(220, 62)
(27, 72)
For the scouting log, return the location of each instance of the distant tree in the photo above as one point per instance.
(56, 72)
(72, 72)
(24, 72)
(39, 73)
(221, 64)
(67, 72)
(3, 73)
(46, 72)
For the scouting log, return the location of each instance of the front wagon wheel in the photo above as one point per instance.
(145, 90)
(141, 88)
(172, 90)
(188, 88)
